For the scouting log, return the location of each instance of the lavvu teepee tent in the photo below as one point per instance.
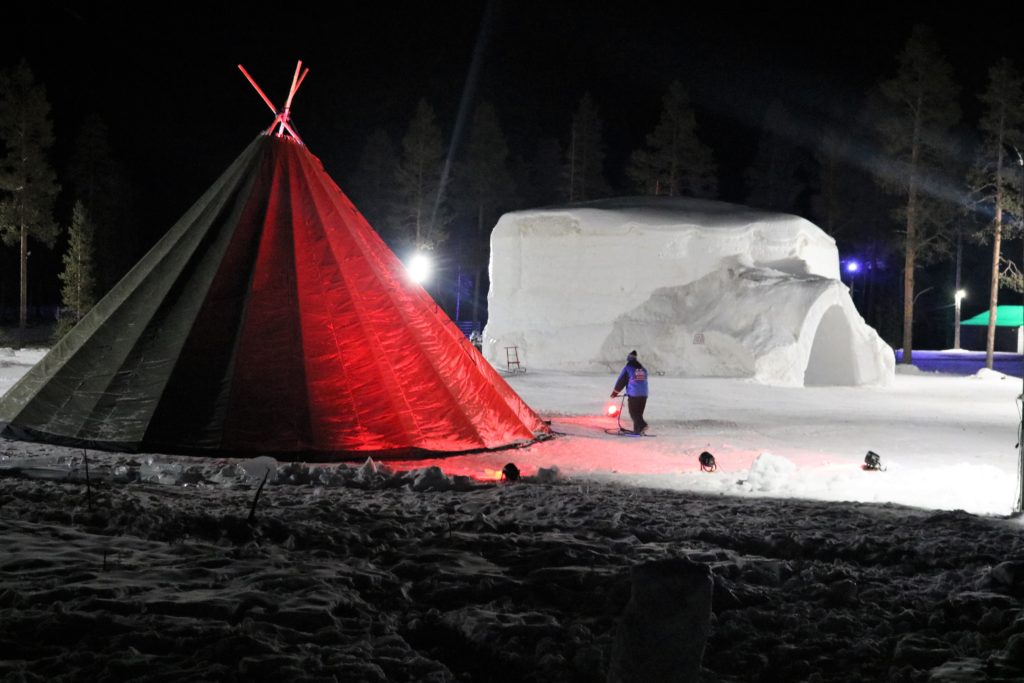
(270, 318)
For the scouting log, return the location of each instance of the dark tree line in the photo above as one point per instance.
(897, 178)
(97, 236)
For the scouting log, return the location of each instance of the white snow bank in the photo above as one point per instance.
(14, 363)
(700, 288)
(769, 473)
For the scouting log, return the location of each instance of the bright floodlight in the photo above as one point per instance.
(961, 294)
(852, 266)
(419, 267)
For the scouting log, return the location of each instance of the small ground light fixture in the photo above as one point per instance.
(510, 472)
(873, 462)
(707, 462)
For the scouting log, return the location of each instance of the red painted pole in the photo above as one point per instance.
(258, 89)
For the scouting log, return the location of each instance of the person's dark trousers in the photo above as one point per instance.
(636, 411)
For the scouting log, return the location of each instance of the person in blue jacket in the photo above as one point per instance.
(633, 379)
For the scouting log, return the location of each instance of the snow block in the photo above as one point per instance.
(701, 288)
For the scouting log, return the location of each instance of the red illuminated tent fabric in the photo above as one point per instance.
(270, 319)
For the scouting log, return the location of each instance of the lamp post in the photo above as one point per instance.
(958, 297)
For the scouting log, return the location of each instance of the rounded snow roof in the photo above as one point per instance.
(656, 212)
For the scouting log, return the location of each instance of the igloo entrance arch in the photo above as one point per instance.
(832, 360)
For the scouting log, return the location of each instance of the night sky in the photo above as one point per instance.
(165, 78)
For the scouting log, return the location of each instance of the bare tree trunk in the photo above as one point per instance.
(956, 290)
(908, 297)
(997, 237)
(23, 297)
(993, 298)
(572, 164)
(911, 250)
(477, 266)
(869, 289)
(477, 297)
(908, 277)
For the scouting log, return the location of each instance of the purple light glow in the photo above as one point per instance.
(852, 266)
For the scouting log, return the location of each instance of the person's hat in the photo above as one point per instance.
(632, 355)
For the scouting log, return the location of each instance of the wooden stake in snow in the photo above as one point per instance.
(252, 512)
(88, 484)
(282, 118)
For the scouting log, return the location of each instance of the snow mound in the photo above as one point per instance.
(989, 374)
(769, 473)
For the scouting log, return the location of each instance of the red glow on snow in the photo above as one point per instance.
(585, 448)
(481, 467)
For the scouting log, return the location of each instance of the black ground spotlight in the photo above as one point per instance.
(873, 462)
(510, 472)
(707, 462)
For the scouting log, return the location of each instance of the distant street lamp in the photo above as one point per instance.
(958, 297)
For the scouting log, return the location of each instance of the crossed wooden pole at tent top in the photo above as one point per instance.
(282, 118)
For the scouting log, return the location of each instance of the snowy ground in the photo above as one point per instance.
(946, 442)
(364, 573)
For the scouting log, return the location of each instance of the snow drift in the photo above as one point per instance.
(700, 288)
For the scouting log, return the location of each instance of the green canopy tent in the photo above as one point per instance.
(1006, 316)
(1009, 323)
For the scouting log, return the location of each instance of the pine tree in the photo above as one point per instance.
(846, 199)
(105, 192)
(583, 174)
(847, 204)
(827, 205)
(77, 279)
(540, 182)
(28, 184)
(483, 181)
(421, 213)
(674, 162)
(373, 186)
(992, 182)
(778, 176)
(921, 109)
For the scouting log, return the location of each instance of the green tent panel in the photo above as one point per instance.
(1006, 316)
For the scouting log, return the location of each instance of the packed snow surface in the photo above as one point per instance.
(170, 568)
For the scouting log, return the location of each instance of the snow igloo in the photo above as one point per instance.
(699, 288)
